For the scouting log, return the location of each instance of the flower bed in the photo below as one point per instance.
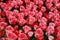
(29, 19)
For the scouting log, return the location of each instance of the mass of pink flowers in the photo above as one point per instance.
(29, 19)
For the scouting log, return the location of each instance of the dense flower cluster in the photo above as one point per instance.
(29, 19)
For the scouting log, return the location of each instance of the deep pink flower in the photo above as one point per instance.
(51, 38)
(26, 29)
(22, 22)
(43, 9)
(10, 28)
(11, 35)
(35, 27)
(30, 33)
(50, 29)
(22, 36)
(31, 19)
(38, 33)
(38, 15)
